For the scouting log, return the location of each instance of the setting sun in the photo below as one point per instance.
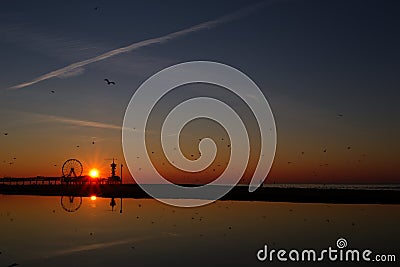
(93, 197)
(94, 173)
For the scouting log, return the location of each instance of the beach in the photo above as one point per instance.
(38, 231)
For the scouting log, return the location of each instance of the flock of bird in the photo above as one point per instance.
(109, 82)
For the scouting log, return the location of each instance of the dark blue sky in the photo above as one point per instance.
(312, 59)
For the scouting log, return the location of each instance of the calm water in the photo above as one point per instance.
(39, 231)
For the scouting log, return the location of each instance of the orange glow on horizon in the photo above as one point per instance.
(94, 173)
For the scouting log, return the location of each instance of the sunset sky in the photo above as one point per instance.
(329, 69)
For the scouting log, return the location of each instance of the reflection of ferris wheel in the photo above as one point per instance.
(72, 168)
(71, 203)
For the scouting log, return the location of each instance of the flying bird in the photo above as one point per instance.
(324, 150)
(52, 91)
(5, 133)
(109, 82)
(340, 115)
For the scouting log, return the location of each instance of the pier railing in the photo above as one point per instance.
(41, 180)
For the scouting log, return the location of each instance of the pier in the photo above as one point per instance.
(41, 180)
(72, 183)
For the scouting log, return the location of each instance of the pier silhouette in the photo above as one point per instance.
(73, 184)
(72, 171)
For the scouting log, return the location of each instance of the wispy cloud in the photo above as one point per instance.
(158, 40)
(75, 122)
(73, 72)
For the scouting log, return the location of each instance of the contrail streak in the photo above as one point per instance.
(75, 122)
(162, 39)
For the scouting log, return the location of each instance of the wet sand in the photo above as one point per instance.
(37, 231)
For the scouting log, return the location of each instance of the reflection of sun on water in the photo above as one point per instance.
(94, 173)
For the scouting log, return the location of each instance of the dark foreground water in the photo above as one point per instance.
(45, 231)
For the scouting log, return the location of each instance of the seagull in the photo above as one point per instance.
(109, 82)
(5, 133)
(340, 115)
(52, 91)
(92, 142)
(349, 147)
(324, 150)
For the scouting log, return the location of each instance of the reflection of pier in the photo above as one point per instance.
(241, 193)
(74, 203)
(71, 203)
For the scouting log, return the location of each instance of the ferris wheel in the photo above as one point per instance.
(72, 168)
